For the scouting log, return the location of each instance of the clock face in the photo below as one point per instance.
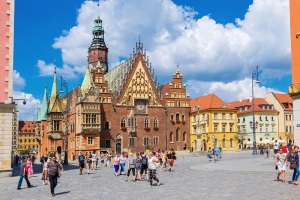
(140, 105)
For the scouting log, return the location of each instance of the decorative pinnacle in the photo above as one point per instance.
(54, 66)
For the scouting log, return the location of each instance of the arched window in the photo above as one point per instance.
(146, 122)
(184, 137)
(231, 143)
(172, 117)
(177, 116)
(171, 137)
(177, 135)
(155, 122)
(106, 125)
(182, 117)
(123, 122)
(223, 143)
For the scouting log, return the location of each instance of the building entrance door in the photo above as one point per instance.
(59, 149)
(118, 148)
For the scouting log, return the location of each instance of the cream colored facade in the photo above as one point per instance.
(15, 128)
(285, 118)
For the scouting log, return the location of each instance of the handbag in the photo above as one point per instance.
(293, 166)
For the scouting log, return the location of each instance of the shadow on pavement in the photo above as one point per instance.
(61, 193)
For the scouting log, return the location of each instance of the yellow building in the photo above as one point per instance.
(26, 137)
(213, 122)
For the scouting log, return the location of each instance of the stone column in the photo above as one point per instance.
(6, 116)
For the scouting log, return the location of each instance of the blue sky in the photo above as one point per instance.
(215, 51)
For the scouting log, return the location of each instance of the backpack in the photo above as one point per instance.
(144, 160)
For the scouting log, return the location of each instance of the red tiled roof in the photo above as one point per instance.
(210, 101)
(248, 102)
(25, 126)
(285, 100)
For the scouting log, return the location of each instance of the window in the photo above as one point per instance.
(155, 122)
(94, 119)
(184, 137)
(231, 128)
(194, 119)
(290, 129)
(146, 122)
(224, 128)
(286, 117)
(286, 129)
(155, 140)
(177, 116)
(131, 142)
(107, 143)
(90, 140)
(171, 137)
(33, 140)
(272, 118)
(56, 125)
(230, 116)
(182, 117)
(195, 130)
(129, 122)
(273, 129)
(106, 125)
(260, 128)
(25, 140)
(243, 119)
(123, 122)
(223, 115)
(29, 140)
(146, 141)
(87, 119)
(215, 115)
(177, 135)
(267, 129)
(266, 118)
(223, 143)
(231, 143)
(215, 128)
(238, 120)
(172, 117)
(290, 117)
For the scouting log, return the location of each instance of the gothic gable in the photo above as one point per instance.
(91, 96)
(139, 84)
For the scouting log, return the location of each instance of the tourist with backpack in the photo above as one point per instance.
(144, 166)
(131, 162)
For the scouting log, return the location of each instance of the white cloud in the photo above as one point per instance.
(205, 49)
(230, 91)
(19, 82)
(29, 110)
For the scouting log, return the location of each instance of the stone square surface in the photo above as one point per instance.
(238, 175)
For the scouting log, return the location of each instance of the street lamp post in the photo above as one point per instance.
(198, 130)
(65, 84)
(254, 76)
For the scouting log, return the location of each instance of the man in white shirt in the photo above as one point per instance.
(276, 147)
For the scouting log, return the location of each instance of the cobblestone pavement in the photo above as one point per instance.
(237, 175)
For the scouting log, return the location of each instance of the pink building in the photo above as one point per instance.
(6, 85)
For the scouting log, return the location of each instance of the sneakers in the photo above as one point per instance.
(30, 186)
(158, 183)
(19, 188)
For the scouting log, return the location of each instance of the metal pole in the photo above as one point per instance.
(254, 74)
(67, 126)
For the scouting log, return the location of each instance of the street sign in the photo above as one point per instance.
(213, 138)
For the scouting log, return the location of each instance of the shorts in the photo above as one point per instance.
(81, 165)
(138, 167)
(102, 161)
(281, 167)
(275, 151)
(116, 168)
(144, 168)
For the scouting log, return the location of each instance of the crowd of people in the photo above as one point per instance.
(215, 153)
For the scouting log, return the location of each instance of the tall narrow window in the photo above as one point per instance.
(184, 137)
(171, 137)
(146, 141)
(231, 143)
(123, 122)
(155, 140)
(90, 140)
(146, 122)
(88, 119)
(182, 117)
(56, 125)
(223, 143)
(177, 135)
(172, 117)
(131, 142)
(94, 119)
(106, 125)
(177, 116)
(155, 122)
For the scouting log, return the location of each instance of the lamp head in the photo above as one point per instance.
(24, 102)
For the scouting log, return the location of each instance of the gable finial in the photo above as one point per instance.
(54, 65)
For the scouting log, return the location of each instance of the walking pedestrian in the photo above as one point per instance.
(89, 162)
(164, 160)
(53, 173)
(123, 160)
(216, 153)
(116, 162)
(44, 178)
(209, 154)
(221, 151)
(61, 161)
(281, 163)
(101, 160)
(131, 166)
(81, 162)
(29, 167)
(144, 166)
(109, 157)
(294, 165)
(94, 160)
(23, 174)
(267, 151)
(276, 147)
(152, 169)
(138, 164)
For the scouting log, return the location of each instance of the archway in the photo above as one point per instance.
(119, 144)
(59, 149)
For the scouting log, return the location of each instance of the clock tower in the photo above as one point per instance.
(98, 51)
